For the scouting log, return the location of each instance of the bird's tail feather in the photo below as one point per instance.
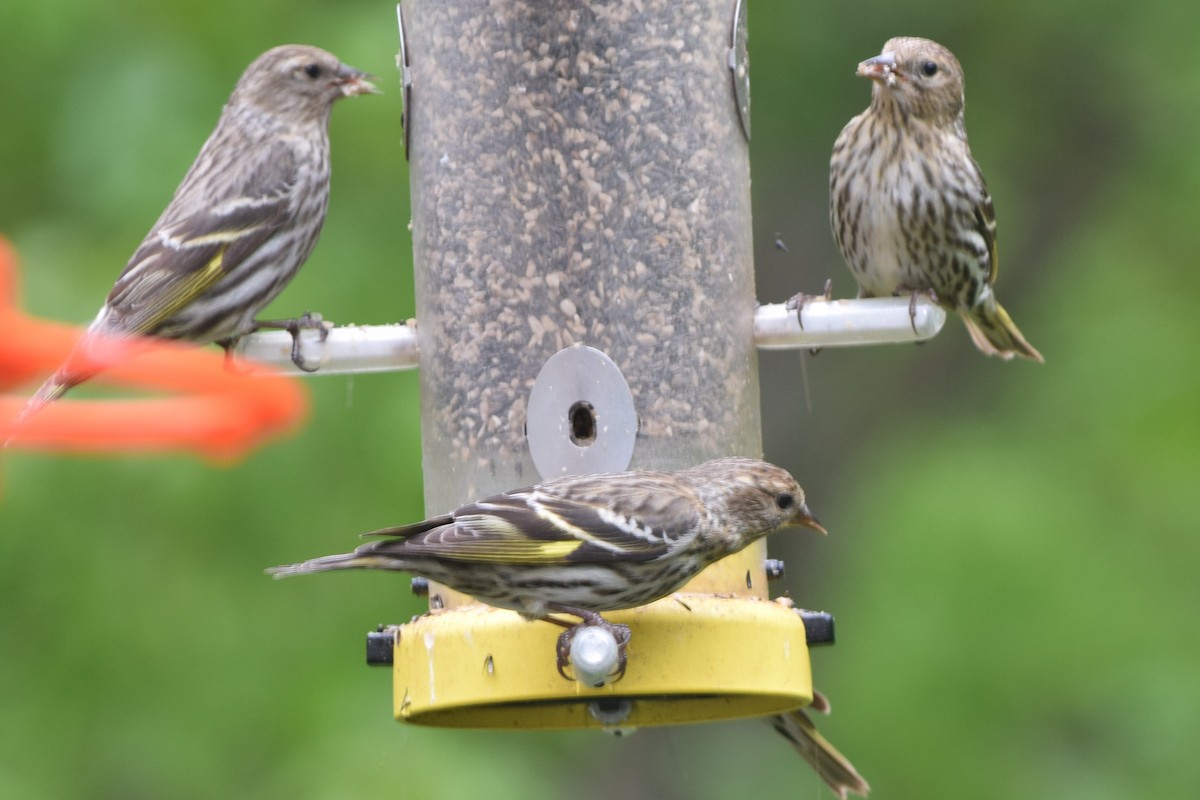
(994, 332)
(342, 561)
(833, 767)
(97, 350)
(408, 531)
(55, 387)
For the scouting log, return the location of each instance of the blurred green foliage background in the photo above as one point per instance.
(1013, 554)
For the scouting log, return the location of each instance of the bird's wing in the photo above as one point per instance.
(985, 224)
(200, 238)
(547, 526)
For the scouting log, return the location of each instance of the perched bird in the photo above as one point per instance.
(242, 222)
(580, 545)
(909, 206)
(833, 767)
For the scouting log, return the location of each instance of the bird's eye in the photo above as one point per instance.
(313, 71)
(930, 68)
(784, 501)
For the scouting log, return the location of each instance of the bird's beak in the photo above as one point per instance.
(354, 81)
(881, 68)
(805, 518)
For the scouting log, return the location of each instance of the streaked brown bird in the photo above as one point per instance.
(581, 545)
(245, 218)
(909, 207)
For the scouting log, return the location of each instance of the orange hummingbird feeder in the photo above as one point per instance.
(213, 412)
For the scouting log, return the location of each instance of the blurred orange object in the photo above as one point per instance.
(216, 413)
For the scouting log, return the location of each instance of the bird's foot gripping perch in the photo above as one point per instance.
(912, 306)
(592, 661)
(310, 321)
(800, 299)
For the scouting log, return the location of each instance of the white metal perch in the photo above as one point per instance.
(353, 349)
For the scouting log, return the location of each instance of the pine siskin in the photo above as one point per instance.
(833, 767)
(242, 222)
(909, 207)
(580, 545)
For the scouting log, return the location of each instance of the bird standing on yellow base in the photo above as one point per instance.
(584, 544)
(910, 210)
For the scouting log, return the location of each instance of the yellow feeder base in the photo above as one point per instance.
(692, 658)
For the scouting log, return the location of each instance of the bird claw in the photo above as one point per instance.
(912, 306)
(619, 632)
(309, 320)
(800, 299)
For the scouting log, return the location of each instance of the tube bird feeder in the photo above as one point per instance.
(585, 297)
(580, 185)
